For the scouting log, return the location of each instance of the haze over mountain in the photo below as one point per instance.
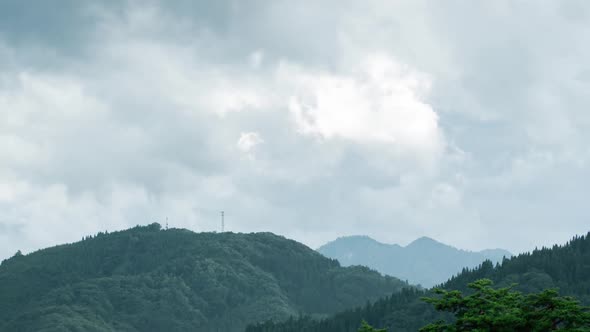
(424, 261)
(564, 267)
(148, 279)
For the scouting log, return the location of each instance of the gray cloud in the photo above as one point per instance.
(459, 121)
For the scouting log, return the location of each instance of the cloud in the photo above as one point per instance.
(392, 119)
(380, 101)
(256, 58)
(248, 141)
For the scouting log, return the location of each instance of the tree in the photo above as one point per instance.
(548, 311)
(365, 327)
(504, 309)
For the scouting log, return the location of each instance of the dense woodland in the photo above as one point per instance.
(566, 268)
(505, 309)
(149, 279)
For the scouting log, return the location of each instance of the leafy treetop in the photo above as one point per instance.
(505, 309)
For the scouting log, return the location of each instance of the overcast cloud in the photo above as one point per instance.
(464, 121)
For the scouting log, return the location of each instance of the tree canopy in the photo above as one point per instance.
(565, 267)
(150, 279)
(504, 309)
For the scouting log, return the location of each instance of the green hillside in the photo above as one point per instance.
(564, 267)
(148, 279)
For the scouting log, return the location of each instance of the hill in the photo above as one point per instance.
(424, 261)
(566, 268)
(148, 279)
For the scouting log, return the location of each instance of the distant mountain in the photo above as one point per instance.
(148, 279)
(424, 261)
(566, 268)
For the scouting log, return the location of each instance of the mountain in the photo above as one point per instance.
(149, 279)
(566, 268)
(424, 261)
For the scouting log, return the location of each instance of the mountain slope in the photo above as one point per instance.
(564, 267)
(148, 279)
(424, 261)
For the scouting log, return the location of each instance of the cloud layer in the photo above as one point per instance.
(462, 122)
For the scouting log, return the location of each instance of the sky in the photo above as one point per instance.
(465, 121)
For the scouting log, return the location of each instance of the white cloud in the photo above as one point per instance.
(171, 72)
(378, 101)
(248, 141)
(444, 195)
(393, 120)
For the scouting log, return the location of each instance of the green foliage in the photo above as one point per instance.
(365, 327)
(566, 268)
(149, 279)
(503, 309)
(409, 315)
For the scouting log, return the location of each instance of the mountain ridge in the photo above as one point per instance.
(564, 267)
(424, 261)
(149, 279)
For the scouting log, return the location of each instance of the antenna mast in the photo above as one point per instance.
(222, 221)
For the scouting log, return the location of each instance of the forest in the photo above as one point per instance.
(151, 279)
(565, 268)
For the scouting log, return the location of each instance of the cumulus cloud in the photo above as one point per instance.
(396, 120)
(248, 141)
(380, 101)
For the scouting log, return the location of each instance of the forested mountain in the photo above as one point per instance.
(149, 279)
(424, 261)
(564, 267)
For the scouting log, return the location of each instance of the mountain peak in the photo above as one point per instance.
(351, 241)
(357, 238)
(424, 261)
(425, 241)
(146, 263)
